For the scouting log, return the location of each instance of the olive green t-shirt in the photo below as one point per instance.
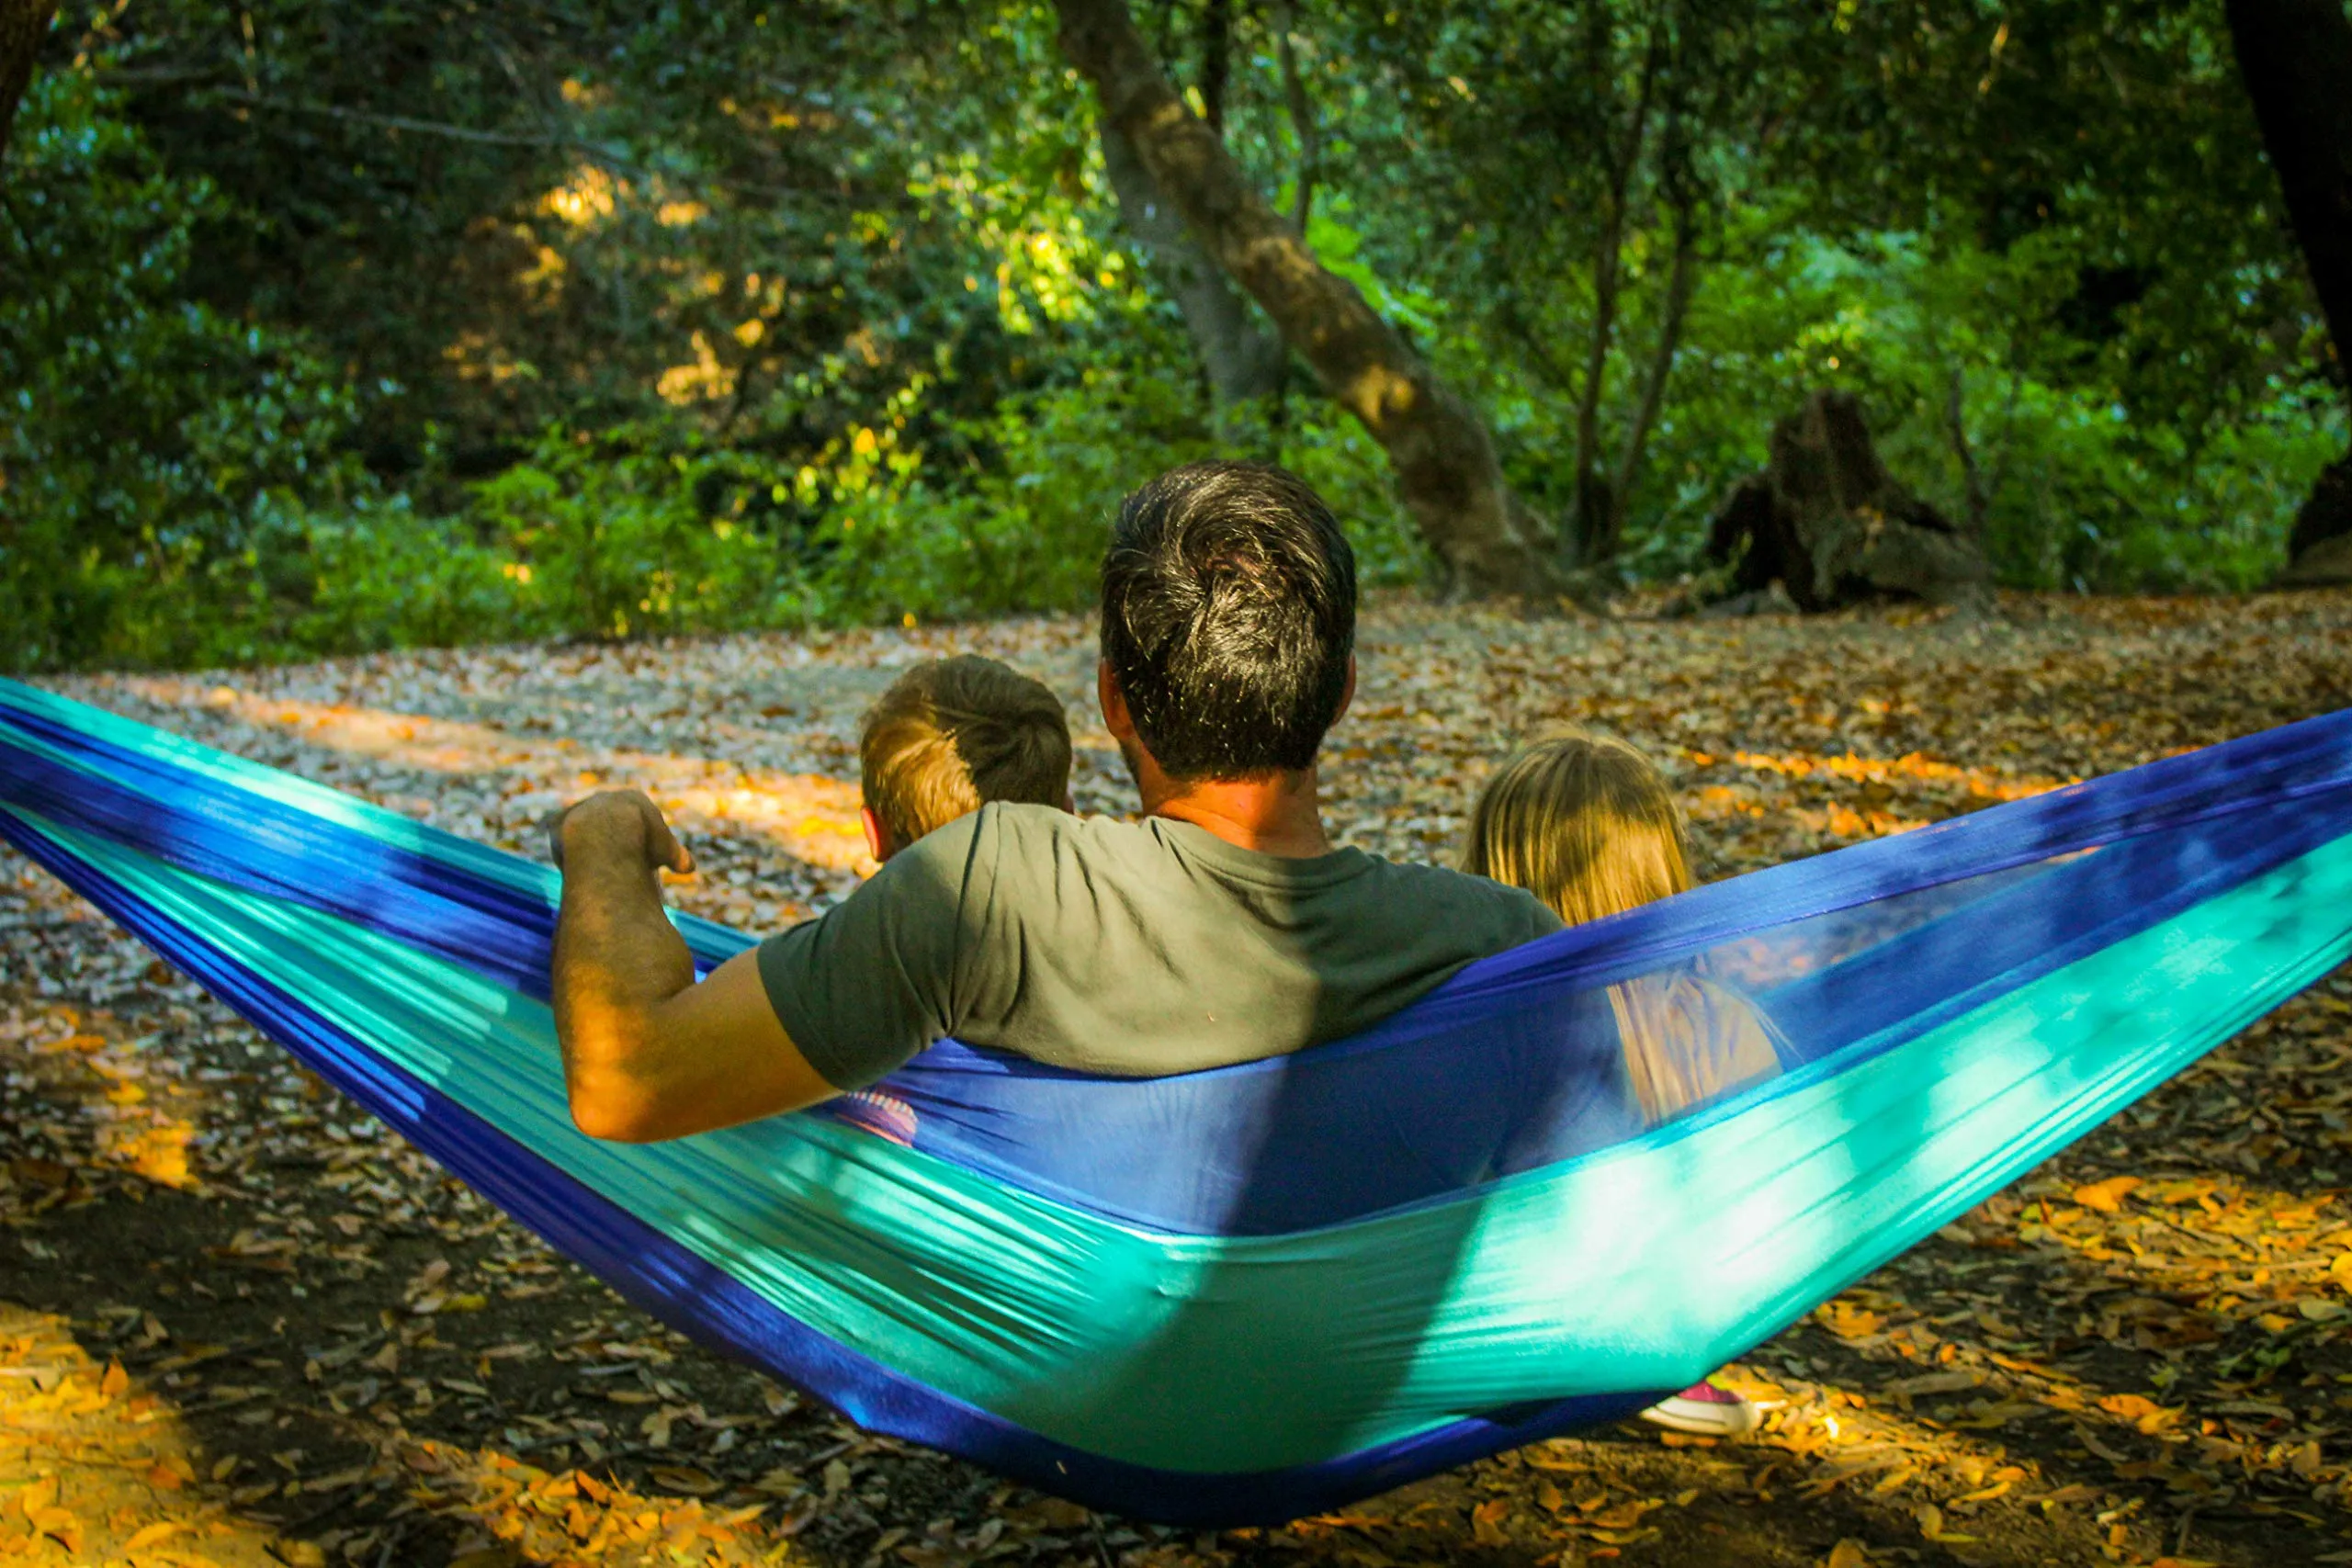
(1127, 948)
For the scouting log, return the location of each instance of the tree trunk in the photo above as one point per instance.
(1682, 280)
(1216, 61)
(23, 25)
(2296, 58)
(1590, 539)
(1591, 534)
(1302, 118)
(1447, 473)
(1829, 524)
(1978, 495)
(1244, 362)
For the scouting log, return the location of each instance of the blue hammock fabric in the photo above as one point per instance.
(1243, 1295)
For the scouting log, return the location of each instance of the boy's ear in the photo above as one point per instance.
(1070, 802)
(877, 838)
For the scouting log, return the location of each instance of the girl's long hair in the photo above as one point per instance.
(1583, 821)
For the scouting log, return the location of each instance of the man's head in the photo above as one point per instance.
(948, 737)
(1228, 619)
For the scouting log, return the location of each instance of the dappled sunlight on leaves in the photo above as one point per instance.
(95, 1466)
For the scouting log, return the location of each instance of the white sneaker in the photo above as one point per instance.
(1707, 1411)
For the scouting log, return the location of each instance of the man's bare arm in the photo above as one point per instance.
(648, 1053)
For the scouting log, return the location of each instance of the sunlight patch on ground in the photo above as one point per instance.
(1980, 784)
(95, 1468)
(516, 1512)
(143, 1124)
(813, 817)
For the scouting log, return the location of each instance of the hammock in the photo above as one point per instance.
(1243, 1295)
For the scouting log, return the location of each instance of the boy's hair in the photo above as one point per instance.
(1229, 615)
(1583, 821)
(951, 734)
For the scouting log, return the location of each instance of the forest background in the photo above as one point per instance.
(328, 327)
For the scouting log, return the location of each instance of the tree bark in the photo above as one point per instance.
(1302, 119)
(1243, 361)
(23, 25)
(1447, 473)
(1681, 279)
(1978, 495)
(1217, 59)
(2296, 58)
(1590, 539)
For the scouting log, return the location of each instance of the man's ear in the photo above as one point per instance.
(1115, 716)
(877, 838)
(1347, 691)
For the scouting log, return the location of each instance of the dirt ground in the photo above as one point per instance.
(239, 1323)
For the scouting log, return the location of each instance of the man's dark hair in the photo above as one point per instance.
(1229, 613)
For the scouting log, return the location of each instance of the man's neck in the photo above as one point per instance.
(1279, 814)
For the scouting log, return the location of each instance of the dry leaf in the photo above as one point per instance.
(686, 1481)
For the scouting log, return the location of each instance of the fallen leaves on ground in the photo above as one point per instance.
(244, 1319)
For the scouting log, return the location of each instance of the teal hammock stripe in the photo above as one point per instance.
(1179, 1370)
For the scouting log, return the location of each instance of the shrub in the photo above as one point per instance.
(159, 459)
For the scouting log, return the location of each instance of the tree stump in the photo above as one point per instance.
(2319, 550)
(1827, 522)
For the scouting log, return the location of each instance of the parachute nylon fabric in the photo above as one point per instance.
(1281, 1333)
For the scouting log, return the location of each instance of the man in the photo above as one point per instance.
(1221, 928)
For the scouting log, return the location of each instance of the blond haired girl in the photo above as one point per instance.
(1588, 824)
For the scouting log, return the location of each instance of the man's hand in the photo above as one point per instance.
(648, 1053)
(612, 817)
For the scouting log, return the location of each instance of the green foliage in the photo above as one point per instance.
(1019, 523)
(603, 540)
(329, 327)
(2061, 206)
(158, 456)
(2070, 490)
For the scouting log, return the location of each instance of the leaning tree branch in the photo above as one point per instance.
(539, 138)
(545, 139)
(2296, 58)
(1447, 472)
(1244, 361)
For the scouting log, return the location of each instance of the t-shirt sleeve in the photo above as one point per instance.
(873, 980)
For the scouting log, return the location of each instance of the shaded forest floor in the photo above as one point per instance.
(241, 1324)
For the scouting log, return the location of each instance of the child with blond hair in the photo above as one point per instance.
(1588, 824)
(950, 735)
(947, 737)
